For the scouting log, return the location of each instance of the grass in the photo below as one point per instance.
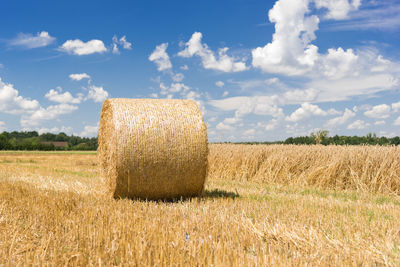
(53, 217)
(8, 152)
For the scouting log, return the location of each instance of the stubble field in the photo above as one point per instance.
(262, 205)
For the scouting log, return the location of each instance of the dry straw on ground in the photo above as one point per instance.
(152, 148)
(361, 168)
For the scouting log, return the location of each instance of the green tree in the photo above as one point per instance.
(320, 136)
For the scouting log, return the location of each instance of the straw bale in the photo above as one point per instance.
(152, 148)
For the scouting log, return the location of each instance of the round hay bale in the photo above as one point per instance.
(152, 148)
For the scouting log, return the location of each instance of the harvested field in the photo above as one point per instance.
(263, 205)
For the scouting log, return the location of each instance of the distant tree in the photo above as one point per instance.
(319, 136)
(395, 141)
(3, 142)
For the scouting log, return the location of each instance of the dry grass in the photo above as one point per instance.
(52, 211)
(361, 168)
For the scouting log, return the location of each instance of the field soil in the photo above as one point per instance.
(262, 206)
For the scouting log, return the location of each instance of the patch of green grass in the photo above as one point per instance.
(256, 197)
(370, 215)
(47, 152)
(26, 161)
(315, 192)
(81, 174)
(386, 200)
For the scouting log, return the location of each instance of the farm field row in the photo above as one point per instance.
(274, 205)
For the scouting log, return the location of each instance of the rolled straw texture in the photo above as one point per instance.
(152, 148)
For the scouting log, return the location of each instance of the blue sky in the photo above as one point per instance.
(259, 70)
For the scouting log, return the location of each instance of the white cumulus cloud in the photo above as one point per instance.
(78, 47)
(120, 42)
(380, 123)
(222, 62)
(290, 51)
(348, 114)
(396, 107)
(60, 97)
(243, 105)
(297, 95)
(30, 41)
(178, 77)
(62, 129)
(220, 84)
(11, 102)
(379, 112)
(397, 121)
(306, 110)
(90, 131)
(79, 76)
(45, 114)
(161, 58)
(358, 125)
(224, 127)
(97, 93)
(338, 9)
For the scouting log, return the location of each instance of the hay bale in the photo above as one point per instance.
(152, 148)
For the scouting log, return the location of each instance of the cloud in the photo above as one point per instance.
(45, 114)
(380, 122)
(338, 9)
(396, 107)
(220, 84)
(2, 126)
(125, 44)
(11, 102)
(337, 63)
(29, 41)
(79, 76)
(184, 67)
(121, 42)
(344, 89)
(348, 114)
(306, 110)
(225, 93)
(90, 130)
(161, 58)
(376, 15)
(397, 121)
(78, 47)
(379, 112)
(178, 77)
(358, 124)
(174, 88)
(243, 105)
(63, 129)
(59, 97)
(222, 63)
(271, 125)
(249, 133)
(224, 127)
(290, 51)
(298, 96)
(97, 93)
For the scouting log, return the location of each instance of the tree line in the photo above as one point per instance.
(45, 141)
(31, 140)
(322, 138)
